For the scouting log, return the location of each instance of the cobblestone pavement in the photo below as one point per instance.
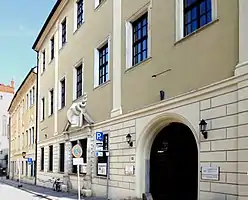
(36, 191)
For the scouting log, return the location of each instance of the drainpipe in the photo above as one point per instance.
(37, 117)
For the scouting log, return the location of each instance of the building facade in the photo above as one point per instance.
(22, 111)
(6, 95)
(152, 71)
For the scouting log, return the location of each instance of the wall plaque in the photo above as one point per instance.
(210, 173)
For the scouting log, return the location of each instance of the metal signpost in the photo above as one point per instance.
(99, 153)
(77, 153)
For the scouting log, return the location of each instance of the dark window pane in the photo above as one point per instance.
(197, 13)
(140, 36)
(103, 64)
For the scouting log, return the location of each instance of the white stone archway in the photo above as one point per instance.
(144, 144)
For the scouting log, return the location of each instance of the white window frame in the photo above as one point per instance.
(42, 60)
(50, 99)
(75, 14)
(97, 3)
(179, 18)
(59, 90)
(96, 60)
(31, 97)
(33, 91)
(41, 111)
(60, 32)
(81, 62)
(129, 34)
(27, 101)
(50, 45)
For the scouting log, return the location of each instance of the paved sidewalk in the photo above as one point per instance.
(46, 192)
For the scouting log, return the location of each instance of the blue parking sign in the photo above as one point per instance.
(99, 136)
(30, 160)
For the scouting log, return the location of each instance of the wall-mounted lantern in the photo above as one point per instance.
(129, 140)
(203, 128)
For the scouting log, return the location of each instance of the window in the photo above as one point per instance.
(62, 157)
(83, 144)
(98, 2)
(26, 168)
(52, 47)
(32, 169)
(140, 39)
(50, 167)
(33, 138)
(79, 81)
(22, 167)
(33, 94)
(44, 60)
(43, 108)
(30, 134)
(197, 13)
(62, 85)
(30, 98)
(103, 64)
(80, 12)
(51, 102)
(27, 102)
(63, 32)
(42, 160)
(26, 137)
(102, 161)
(74, 167)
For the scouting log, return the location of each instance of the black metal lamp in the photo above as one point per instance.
(129, 140)
(203, 128)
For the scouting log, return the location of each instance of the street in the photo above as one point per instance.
(9, 192)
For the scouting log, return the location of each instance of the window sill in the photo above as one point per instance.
(77, 99)
(50, 115)
(75, 174)
(101, 177)
(62, 47)
(139, 64)
(102, 85)
(196, 31)
(78, 28)
(99, 5)
(61, 108)
(51, 61)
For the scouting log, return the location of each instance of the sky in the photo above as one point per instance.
(20, 24)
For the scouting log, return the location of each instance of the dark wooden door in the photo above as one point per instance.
(174, 164)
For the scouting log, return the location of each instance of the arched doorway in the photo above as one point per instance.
(174, 164)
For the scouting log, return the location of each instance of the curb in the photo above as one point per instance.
(29, 191)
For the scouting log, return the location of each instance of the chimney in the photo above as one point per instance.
(12, 83)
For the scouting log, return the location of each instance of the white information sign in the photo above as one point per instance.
(210, 173)
(78, 161)
(102, 169)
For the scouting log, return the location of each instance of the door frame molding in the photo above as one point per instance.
(144, 145)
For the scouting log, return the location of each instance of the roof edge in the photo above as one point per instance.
(55, 7)
(32, 70)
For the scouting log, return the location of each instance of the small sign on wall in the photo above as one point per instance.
(129, 170)
(102, 169)
(210, 173)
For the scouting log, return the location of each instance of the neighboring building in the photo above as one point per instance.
(6, 95)
(22, 112)
(151, 70)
